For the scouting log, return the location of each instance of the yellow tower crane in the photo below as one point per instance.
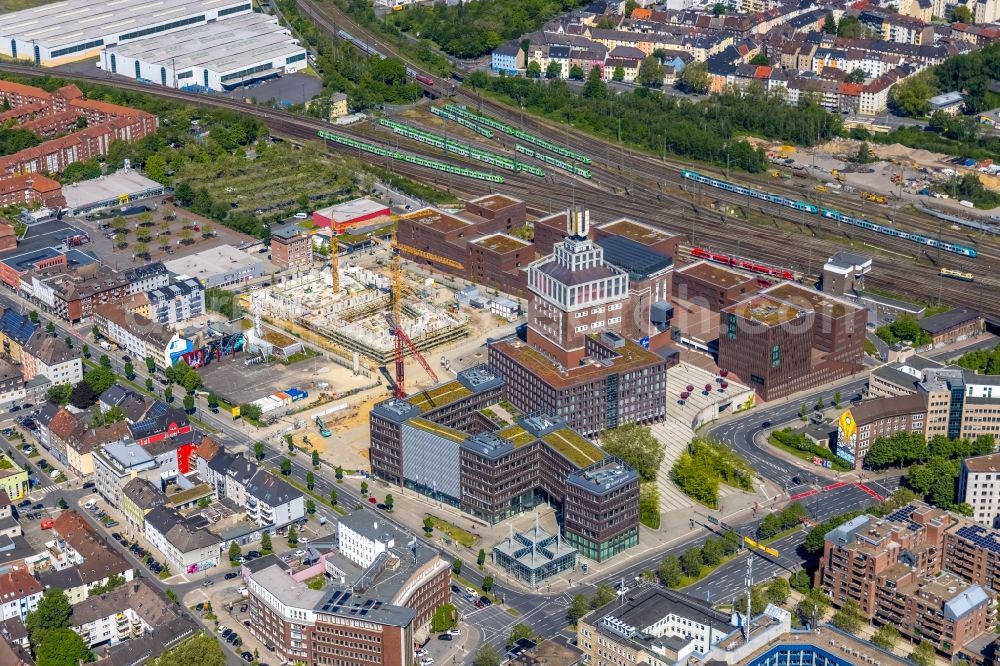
(334, 264)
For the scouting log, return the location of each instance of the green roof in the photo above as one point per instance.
(574, 447)
(437, 429)
(439, 396)
(516, 435)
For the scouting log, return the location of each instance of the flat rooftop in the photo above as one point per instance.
(221, 259)
(502, 243)
(352, 209)
(439, 396)
(574, 447)
(766, 310)
(437, 429)
(635, 231)
(112, 186)
(821, 303)
(632, 357)
(714, 274)
(437, 220)
(223, 46)
(75, 21)
(516, 435)
(495, 201)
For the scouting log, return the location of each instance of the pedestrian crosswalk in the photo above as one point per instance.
(40, 492)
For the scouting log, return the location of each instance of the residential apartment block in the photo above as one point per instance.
(911, 570)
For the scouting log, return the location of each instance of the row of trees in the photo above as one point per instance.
(776, 523)
(582, 604)
(984, 361)
(706, 464)
(636, 445)
(673, 569)
(469, 30)
(709, 130)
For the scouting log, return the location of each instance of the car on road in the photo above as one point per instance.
(117, 536)
(27, 405)
(427, 661)
(765, 424)
(231, 575)
(454, 632)
(455, 588)
(444, 637)
(479, 604)
(214, 410)
(485, 600)
(797, 480)
(469, 592)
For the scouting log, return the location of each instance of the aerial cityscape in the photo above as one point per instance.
(482, 332)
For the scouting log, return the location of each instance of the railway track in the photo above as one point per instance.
(642, 198)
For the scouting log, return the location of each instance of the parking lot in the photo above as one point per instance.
(240, 383)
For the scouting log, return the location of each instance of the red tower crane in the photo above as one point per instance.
(401, 339)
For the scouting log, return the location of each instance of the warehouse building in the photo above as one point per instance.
(218, 56)
(73, 30)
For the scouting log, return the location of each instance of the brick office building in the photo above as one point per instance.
(713, 287)
(789, 338)
(445, 443)
(290, 247)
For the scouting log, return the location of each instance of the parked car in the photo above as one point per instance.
(231, 575)
(27, 405)
(38, 506)
(454, 632)
(254, 553)
(486, 600)
(247, 656)
(23, 504)
(88, 484)
(444, 637)
(227, 633)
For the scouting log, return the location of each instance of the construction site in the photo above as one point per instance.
(351, 314)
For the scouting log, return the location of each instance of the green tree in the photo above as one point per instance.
(691, 561)
(389, 501)
(670, 571)
(911, 96)
(286, 466)
(315, 458)
(650, 73)
(456, 567)
(258, 450)
(711, 552)
(333, 497)
(812, 606)
(830, 24)
(579, 607)
(603, 595)
(553, 70)
(848, 617)
(85, 350)
(293, 536)
(189, 404)
(156, 168)
(636, 445)
(618, 74)
(339, 474)
(800, 581)
(168, 394)
(487, 583)
(310, 506)
(924, 654)
(129, 370)
(850, 26)
(364, 488)
(33, 316)
(534, 70)
(149, 384)
(444, 618)
(718, 9)
(886, 637)
(962, 14)
(428, 525)
(521, 631)
(576, 73)
(856, 76)
(150, 365)
(693, 79)
(595, 88)
(61, 647)
(481, 558)
(760, 59)
(758, 601)
(649, 505)
(204, 503)
(199, 650)
(486, 656)
(234, 552)
(310, 480)
(52, 612)
(864, 157)
(778, 591)
(265, 543)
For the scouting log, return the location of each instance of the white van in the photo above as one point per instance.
(90, 504)
(302, 216)
(54, 474)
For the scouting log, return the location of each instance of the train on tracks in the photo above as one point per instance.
(374, 52)
(957, 275)
(828, 213)
(562, 151)
(374, 149)
(745, 264)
